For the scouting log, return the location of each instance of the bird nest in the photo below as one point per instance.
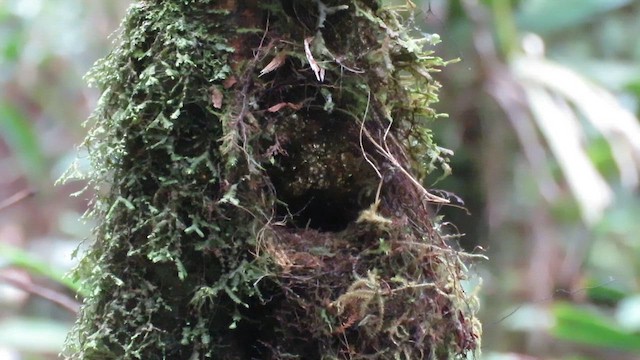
(260, 171)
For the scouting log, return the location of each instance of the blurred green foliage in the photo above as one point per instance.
(555, 286)
(13, 256)
(548, 17)
(45, 49)
(587, 327)
(22, 139)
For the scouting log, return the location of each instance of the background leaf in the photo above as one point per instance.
(582, 326)
(16, 130)
(547, 16)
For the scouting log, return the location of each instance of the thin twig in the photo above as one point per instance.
(364, 153)
(54, 296)
(16, 198)
(385, 152)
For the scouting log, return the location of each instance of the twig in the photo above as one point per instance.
(16, 198)
(364, 153)
(386, 153)
(55, 297)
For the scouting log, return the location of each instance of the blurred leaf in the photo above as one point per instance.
(547, 16)
(565, 105)
(17, 132)
(565, 209)
(4, 12)
(20, 258)
(603, 294)
(622, 220)
(12, 44)
(613, 74)
(561, 129)
(33, 335)
(12, 48)
(600, 154)
(634, 87)
(582, 326)
(628, 313)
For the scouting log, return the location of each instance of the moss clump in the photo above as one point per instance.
(258, 172)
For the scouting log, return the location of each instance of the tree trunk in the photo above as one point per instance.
(258, 166)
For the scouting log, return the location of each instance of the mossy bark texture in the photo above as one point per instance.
(258, 169)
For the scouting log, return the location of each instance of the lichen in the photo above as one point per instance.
(259, 171)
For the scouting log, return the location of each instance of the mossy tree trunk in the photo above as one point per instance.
(258, 166)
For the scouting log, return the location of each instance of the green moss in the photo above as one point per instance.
(233, 186)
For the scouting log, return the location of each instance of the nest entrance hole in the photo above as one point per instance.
(321, 178)
(322, 210)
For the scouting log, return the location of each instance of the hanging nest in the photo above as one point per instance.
(259, 170)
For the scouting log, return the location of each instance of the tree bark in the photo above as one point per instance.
(259, 168)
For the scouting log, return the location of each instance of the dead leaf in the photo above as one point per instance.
(229, 82)
(274, 64)
(319, 71)
(279, 106)
(216, 97)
